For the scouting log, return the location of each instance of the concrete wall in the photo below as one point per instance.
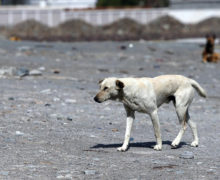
(54, 16)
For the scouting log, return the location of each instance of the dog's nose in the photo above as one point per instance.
(96, 99)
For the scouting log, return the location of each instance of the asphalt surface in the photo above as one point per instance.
(50, 127)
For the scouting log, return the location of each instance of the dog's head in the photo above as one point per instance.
(110, 89)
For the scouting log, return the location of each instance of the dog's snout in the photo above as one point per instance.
(96, 99)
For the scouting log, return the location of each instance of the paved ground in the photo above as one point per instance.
(50, 127)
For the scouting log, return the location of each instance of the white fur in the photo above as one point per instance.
(146, 95)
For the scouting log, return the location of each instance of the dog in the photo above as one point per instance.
(208, 54)
(146, 95)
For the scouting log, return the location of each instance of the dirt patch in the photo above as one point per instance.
(29, 29)
(162, 28)
(75, 30)
(165, 27)
(122, 29)
(211, 25)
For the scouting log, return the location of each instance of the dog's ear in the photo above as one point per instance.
(119, 84)
(101, 81)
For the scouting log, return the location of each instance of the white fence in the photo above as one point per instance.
(54, 16)
(64, 3)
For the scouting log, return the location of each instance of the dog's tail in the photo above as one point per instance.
(199, 89)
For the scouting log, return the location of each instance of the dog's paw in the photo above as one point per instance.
(158, 147)
(195, 144)
(122, 149)
(175, 144)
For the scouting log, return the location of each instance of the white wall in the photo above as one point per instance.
(194, 15)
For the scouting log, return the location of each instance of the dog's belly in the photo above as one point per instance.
(165, 99)
(140, 105)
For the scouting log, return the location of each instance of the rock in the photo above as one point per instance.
(46, 91)
(130, 45)
(4, 173)
(115, 130)
(179, 172)
(35, 72)
(24, 48)
(96, 159)
(19, 133)
(89, 172)
(156, 66)
(187, 155)
(56, 71)
(42, 68)
(70, 101)
(56, 99)
(69, 118)
(123, 47)
(7, 71)
(11, 99)
(60, 177)
(67, 176)
(57, 116)
(21, 72)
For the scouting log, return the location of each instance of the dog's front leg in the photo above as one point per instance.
(130, 119)
(156, 125)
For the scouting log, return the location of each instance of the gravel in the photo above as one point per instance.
(51, 128)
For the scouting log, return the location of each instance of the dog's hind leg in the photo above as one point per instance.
(183, 118)
(193, 127)
(183, 99)
(130, 119)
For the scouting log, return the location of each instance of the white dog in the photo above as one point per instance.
(146, 95)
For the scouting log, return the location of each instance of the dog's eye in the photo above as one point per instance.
(105, 88)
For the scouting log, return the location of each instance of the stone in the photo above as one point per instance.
(42, 68)
(70, 101)
(131, 45)
(187, 155)
(24, 48)
(69, 118)
(56, 99)
(11, 99)
(7, 71)
(56, 71)
(4, 173)
(89, 172)
(21, 72)
(19, 133)
(60, 177)
(35, 72)
(115, 130)
(46, 91)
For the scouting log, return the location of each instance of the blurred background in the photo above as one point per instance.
(87, 20)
